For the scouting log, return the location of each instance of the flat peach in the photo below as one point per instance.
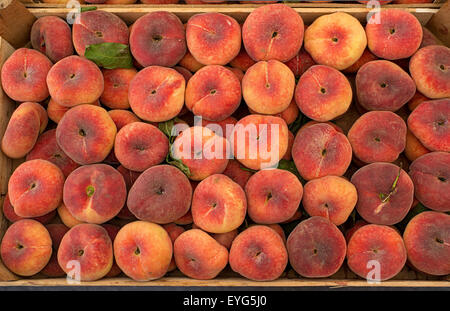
(143, 250)
(198, 255)
(213, 38)
(162, 194)
(86, 252)
(273, 31)
(219, 204)
(393, 34)
(337, 40)
(115, 92)
(259, 254)
(26, 247)
(94, 193)
(35, 188)
(321, 150)
(323, 93)
(273, 196)
(316, 248)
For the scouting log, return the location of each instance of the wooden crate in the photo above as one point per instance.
(344, 278)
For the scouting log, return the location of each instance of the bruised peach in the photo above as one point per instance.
(323, 93)
(300, 63)
(94, 193)
(86, 253)
(413, 147)
(242, 61)
(331, 197)
(378, 136)
(321, 150)
(213, 38)
(143, 250)
(75, 80)
(268, 87)
(198, 255)
(26, 247)
(86, 134)
(219, 204)
(431, 176)
(213, 92)
(376, 252)
(430, 70)
(52, 36)
(260, 141)
(35, 188)
(139, 145)
(158, 38)
(273, 31)
(161, 194)
(94, 27)
(57, 232)
(46, 148)
(336, 40)
(259, 254)
(430, 123)
(385, 193)
(273, 196)
(23, 75)
(393, 34)
(22, 131)
(427, 241)
(156, 93)
(238, 173)
(383, 85)
(316, 248)
(115, 92)
(202, 151)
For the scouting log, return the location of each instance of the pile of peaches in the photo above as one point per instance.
(357, 172)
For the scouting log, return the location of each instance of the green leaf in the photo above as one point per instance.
(166, 127)
(180, 165)
(88, 8)
(247, 169)
(109, 55)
